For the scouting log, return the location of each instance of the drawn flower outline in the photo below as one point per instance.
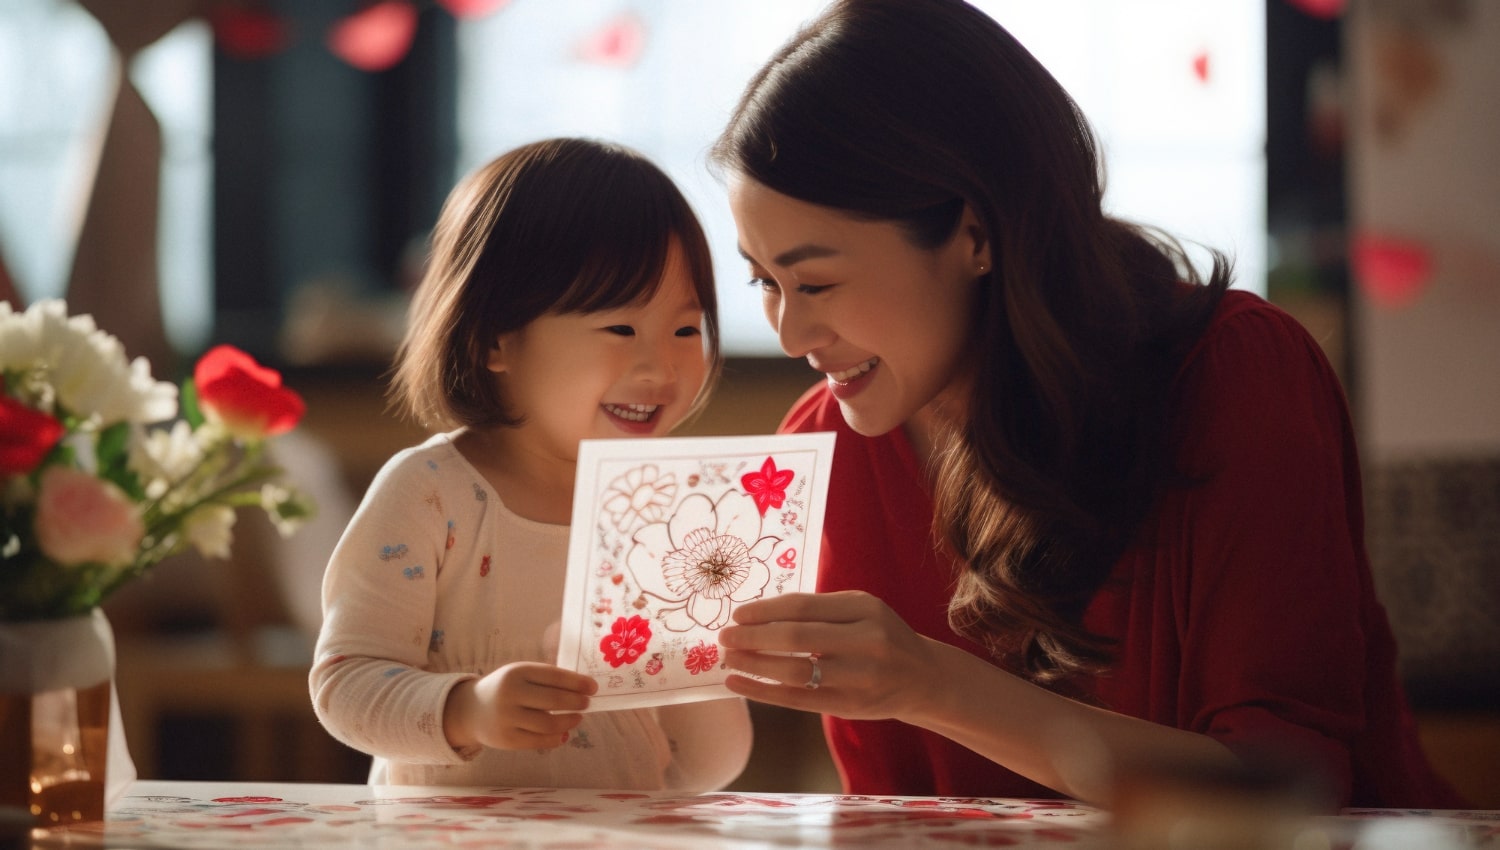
(641, 492)
(705, 557)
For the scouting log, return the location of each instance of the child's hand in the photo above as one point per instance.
(511, 708)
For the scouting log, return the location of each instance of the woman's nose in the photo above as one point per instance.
(798, 329)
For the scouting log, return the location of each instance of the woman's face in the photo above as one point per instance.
(887, 322)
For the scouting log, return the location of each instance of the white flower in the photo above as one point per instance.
(286, 507)
(85, 367)
(210, 530)
(704, 558)
(164, 456)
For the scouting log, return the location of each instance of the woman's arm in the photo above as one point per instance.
(875, 667)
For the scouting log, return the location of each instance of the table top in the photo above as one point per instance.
(161, 814)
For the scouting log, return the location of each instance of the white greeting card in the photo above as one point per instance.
(668, 537)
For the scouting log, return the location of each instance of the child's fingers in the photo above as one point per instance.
(550, 676)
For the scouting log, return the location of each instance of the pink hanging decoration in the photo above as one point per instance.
(248, 32)
(472, 8)
(1392, 272)
(1325, 9)
(1200, 66)
(617, 44)
(377, 37)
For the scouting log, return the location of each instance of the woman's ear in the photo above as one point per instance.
(497, 361)
(977, 240)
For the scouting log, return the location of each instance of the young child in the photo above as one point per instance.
(568, 295)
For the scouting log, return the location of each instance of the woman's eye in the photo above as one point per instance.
(763, 283)
(621, 330)
(809, 289)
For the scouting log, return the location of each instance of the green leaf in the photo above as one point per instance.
(114, 460)
(188, 399)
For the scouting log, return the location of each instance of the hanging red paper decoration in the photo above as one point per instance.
(377, 37)
(472, 8)
(1325, 9)
(618, 43)
(1200, 66)
(1392, 272)
(248, 32)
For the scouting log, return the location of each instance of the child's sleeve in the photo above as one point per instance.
(368, 682)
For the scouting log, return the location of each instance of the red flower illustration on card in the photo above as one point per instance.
(701, 658)
(626, 640)
(767, 486)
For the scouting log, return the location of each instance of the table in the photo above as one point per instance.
(161, 814)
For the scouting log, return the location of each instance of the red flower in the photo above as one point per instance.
(626, 641)
(768, 486)
(26, 436)
(246, 396)
(701, 658)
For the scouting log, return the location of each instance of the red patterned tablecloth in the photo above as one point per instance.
(156, 814)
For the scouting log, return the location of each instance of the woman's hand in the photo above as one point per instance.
(872, 665)
(512, 707)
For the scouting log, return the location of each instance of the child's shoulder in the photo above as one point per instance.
(433, 459)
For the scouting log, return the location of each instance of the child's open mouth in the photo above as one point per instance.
(638, 413)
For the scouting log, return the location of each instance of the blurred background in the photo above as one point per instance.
(265, 173)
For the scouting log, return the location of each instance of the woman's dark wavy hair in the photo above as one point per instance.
(555, 226)
(906, 111)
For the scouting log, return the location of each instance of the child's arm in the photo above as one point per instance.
(512, 708)
(710, 743)
(380, 593)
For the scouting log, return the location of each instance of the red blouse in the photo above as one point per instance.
(1244, 611)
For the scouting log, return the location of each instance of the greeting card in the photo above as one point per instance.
(668, 537)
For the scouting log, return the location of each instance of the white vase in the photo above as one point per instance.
(65, 758)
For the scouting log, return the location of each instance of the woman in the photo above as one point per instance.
(1088, 508)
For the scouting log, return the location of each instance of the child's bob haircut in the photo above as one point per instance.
(553, 227)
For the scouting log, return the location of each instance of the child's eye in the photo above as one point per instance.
(621, 330)
(688, 330)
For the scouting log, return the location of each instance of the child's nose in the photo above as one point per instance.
(656, 362)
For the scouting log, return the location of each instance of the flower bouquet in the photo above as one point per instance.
(101, 475)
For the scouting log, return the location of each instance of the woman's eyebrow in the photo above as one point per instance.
(795, 255)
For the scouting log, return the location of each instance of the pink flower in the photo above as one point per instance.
(626, 641)
(768, 486)
(247, 397)
(701, 658)
(26, 436)
(82, 519)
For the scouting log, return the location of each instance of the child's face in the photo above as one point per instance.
(632, 371)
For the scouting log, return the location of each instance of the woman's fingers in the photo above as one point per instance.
(842, 606)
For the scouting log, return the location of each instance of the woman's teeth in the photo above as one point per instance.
(850, 374)
(633, 412)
